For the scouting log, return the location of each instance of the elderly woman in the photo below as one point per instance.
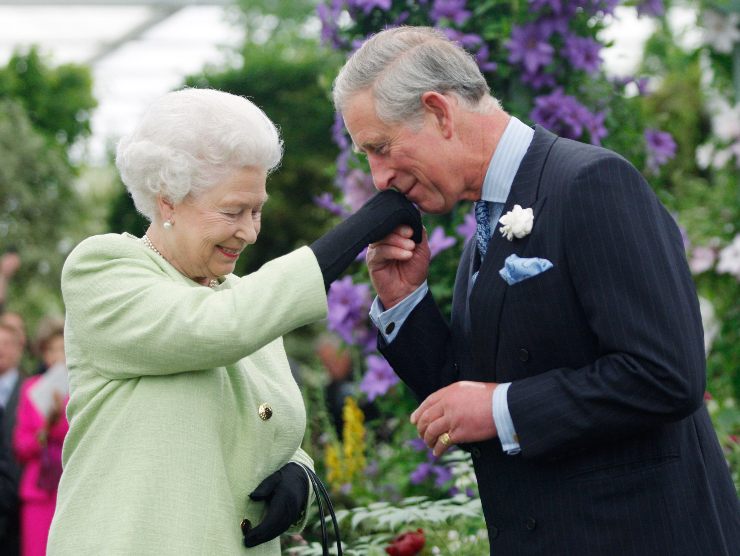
(184, 416)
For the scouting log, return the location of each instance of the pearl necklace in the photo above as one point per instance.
(148, 242)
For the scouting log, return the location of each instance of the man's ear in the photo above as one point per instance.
(440, 107)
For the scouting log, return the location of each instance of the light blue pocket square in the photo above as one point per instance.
(517, 269)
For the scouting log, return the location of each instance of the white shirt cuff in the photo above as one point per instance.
(390, 322)
(502, 419)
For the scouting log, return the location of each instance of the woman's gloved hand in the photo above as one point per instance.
(286, 495)
(378, 217)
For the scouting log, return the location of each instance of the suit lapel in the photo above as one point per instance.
(488, 292)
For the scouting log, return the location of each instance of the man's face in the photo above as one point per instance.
(416, 162)
(10, 350)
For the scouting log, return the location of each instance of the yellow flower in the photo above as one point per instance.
(344, 464)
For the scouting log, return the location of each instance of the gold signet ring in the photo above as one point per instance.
(444, 439)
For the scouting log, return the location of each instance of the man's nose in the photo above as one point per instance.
(383, 174)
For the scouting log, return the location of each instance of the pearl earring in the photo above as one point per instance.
(167, 225)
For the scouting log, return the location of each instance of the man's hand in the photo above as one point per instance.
(463, 410)
(397, 265)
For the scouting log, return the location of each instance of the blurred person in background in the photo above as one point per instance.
(11, 351)
(184, 416)
(38, 438)
(48, 344)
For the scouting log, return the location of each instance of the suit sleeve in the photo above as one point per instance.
(625, 256)
(138, 321)
(421, 354)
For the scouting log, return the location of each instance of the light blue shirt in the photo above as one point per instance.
(500, 175)
(7, 382)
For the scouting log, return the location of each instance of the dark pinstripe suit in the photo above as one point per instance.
(606, 359)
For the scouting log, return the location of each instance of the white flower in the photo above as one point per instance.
(726, 122)
(702, 259)
(720, 30)
(517, 222)
(709, 322)
(704, 155)
(729, 259)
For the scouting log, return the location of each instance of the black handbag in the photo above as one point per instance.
(322, 498)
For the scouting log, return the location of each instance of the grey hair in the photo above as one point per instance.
(399, 65)
(188, 141)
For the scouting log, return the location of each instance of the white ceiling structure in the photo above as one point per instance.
(140, 49)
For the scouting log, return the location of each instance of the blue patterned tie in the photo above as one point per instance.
(483, 228)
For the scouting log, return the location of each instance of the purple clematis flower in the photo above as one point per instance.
(379, 377)
(528, 46)
(564, 115)
(475, 44)
(466, 230)
(369, 5)
(348, 307)
(326, 201)
(329, 15)
(453, 10)
(596, 128)
(582, 53)
(556, 6)
(338, 133)
(650, 8)
(358, 188)
(661, 148)
(439, 242)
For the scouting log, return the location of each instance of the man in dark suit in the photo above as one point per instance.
(573, 366)
(11, 351)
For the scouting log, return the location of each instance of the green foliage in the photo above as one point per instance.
(58, 100)
(43, 111)
(454, 526)
(36, 204)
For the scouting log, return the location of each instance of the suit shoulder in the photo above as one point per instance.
(571, 163)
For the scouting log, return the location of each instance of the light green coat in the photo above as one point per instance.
(165, 442)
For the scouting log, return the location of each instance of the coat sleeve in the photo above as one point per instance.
(422, 354)
(130, 318)
(626, 259)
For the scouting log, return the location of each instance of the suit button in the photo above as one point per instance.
(264, 411)
(523, 355)
(530, 523)
(475, 452)
(390, 328)
(492, 532)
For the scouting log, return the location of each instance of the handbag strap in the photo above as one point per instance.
(322, 497)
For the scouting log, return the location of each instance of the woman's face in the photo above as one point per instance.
(210, 231)
(53, 352)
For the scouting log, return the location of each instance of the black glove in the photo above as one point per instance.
(378, 217)
(286, 494)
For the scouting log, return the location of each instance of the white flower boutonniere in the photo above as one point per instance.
(517, 222)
